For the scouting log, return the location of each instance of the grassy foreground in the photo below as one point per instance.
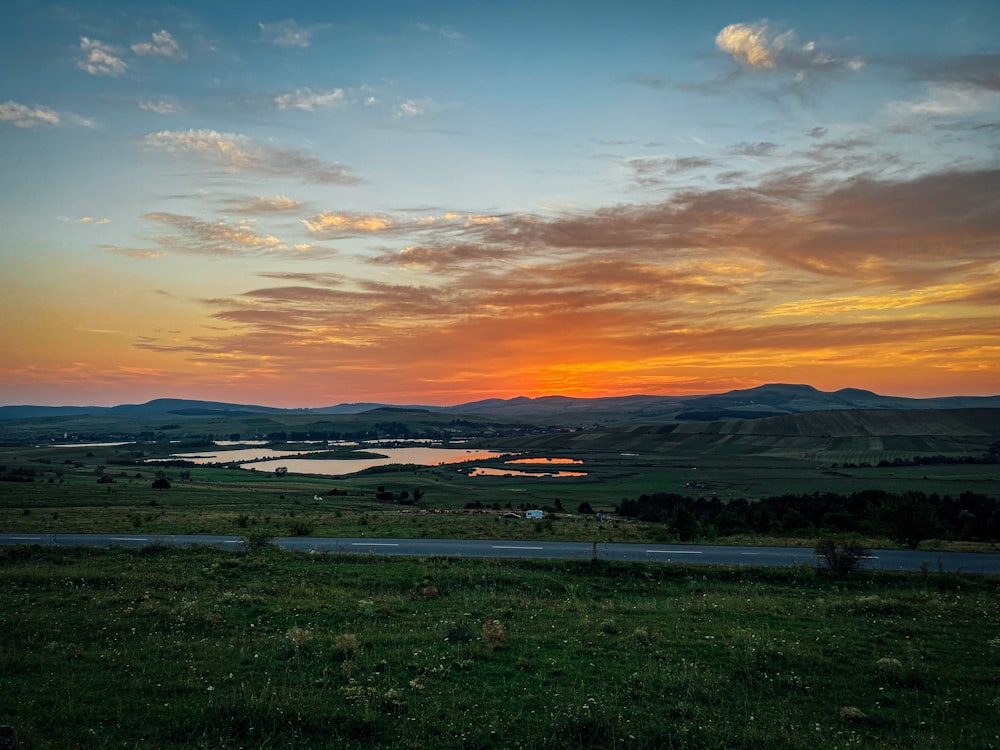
(171, 648)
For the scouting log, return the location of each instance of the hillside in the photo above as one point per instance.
(902, 433)
(753, 403)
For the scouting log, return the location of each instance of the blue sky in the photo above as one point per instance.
(304, 203)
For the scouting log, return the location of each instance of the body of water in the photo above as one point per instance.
(482, 471)
(334, 467)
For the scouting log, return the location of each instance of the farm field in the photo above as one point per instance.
(100, 488)
(199, 648)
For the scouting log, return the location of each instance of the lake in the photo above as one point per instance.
(335, 467)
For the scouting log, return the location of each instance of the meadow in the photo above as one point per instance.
(109, 489)
(161, 648)
(166, 648)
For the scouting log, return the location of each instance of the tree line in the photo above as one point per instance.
(905, 517)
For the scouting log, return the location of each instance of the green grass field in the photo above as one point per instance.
(66, 495)
(199, 648)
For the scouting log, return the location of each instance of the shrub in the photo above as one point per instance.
(494, 634)
(256, 541)
(346, 645)
(840, 556)
(890, 669)
(299, 636)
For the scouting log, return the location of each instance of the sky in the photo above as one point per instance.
(310, 203)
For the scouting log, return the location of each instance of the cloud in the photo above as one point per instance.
(190, 235)
(446, 32)
(654, 170)
(334, 224)
(163, 45)
(413, 108)
(794, 272)
(759, 46)
(24, 116)
(274, 204)
(101, 59)
(762, 148)
(752, 45)
(948, 99)
(290, 33)
(982, 71)
(234, 153)
(308, 100)
(140, 253)
(160, 107)
(92, 220)
(655, 82)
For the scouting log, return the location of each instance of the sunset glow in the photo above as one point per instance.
(309, 203)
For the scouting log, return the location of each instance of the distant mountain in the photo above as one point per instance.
(184, 407)
(160, 406)
(752, 403)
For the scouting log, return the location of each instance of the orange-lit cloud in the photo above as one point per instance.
(192, 236)
(766, 282)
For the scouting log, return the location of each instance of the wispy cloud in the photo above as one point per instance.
(160, 106)
(162, 45)
(447, 32)
(188, 235)
(758, 149)
(275, 204)
(92, 220)
(310, 100)
(982, 71)
(948, 99)
(25, 116)
(335, 224)
(656, 170)
(140, 253)
(234, 152)
(101, 59)
(290, 33)
(413, 108)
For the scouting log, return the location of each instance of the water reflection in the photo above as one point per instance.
(338, 466)
(483, 471)
(544, 461)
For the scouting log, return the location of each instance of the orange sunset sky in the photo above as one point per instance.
(304, 204)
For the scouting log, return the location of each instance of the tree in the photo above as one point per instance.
(684, 524)
(161, 483)
(280, 471)
(584, 508)
(909, 517)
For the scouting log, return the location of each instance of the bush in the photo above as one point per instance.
(256, 541)
(840, 556)
(494, 634)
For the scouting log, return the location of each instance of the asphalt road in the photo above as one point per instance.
(966, 562)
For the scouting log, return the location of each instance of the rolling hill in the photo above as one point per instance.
(753, 403)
